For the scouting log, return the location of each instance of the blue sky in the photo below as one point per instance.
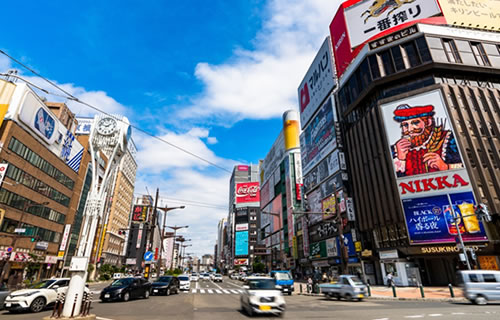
(212, 77)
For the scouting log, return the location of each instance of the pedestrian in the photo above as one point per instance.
(389, 279)
(309, 285)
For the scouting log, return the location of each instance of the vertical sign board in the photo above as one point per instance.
(64, 240)
(340, 42)
(319, 138)
(6, 91)
(317, 84)
(368, 18)
(241, 247)
(433, 184)
(289, 200)
(248, 192)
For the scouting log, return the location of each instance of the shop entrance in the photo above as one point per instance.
(440, 271)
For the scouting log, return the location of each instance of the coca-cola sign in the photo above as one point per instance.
(247, 192)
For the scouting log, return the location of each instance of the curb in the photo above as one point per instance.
(397, 299)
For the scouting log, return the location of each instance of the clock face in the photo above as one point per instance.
(106, 126)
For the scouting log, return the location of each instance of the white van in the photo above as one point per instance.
(480, 286)
(117, 276)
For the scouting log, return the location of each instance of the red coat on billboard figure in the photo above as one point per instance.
(425, 145)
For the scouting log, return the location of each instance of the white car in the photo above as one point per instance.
(38, 296)
(217, 277)
(184, 282)
(194, 277)
(204, 276)
(262, 296)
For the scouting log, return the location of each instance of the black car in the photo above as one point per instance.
(165, 285)
(125, 289)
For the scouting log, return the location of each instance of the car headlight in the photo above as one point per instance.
(25, 294)
(357, 289)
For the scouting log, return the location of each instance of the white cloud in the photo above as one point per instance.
(262, 83)
(158, 157)
(212, 140)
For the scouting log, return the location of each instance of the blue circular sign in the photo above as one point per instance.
(148, 256)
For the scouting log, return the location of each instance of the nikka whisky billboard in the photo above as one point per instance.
(432, 181)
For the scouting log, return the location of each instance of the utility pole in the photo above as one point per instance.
(162, 236)
(149, 241)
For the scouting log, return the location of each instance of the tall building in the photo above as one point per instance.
(280, 196)
(121, 206)
(221, 243)
(41, 188)
(242, 225)
(419, 103)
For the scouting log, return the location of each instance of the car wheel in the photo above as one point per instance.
(348, 297)
(146, 294)
(37, 305)
(167, 292)
(289, 293)
(250, 311)
(480, 300)
(126, 296)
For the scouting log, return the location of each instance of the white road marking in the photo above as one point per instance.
(415, 316)
(218, 291)
(382, 319)
(194, 291)
(187, 291)
(234, 291)
(210, 291)
(202, 290)
(101, 318)
(241, 291)
(197, 285)
(457, 313)
(96, 292)
(435, 315)
(226, 291)
(234, 284)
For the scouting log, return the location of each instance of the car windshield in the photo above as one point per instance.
(183, 278)
(261, 284)
(43, 284)
(283, 276)
(218, 275)
(164, 279)
(356, 281)
(121, 282)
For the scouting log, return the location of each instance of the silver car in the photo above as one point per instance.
(480, 286)
(262, 296)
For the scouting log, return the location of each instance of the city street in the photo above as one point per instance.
(207, 300)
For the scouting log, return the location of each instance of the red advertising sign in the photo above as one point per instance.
(240, 262)
(247, 192)
(242, 168)
(140, 213)
(340, 42)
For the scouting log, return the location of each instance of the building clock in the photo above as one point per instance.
(107, 126)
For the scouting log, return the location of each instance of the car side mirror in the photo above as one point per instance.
(55, 287)
(246, 287)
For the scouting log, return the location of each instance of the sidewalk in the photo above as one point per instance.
(402, 293)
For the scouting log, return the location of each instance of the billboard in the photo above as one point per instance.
(6, 91)
(478, 14)
(271, 222)
(329, 204)
(140, 213)
(340, 42)
(326, 168)
(291, 129)
(431, 219)
(273, 158)
(319, 139)
(317, 83)
(241, 246)
(368, 18)
(432, 181)
(247, 192)
(241, 227)
(84, 126)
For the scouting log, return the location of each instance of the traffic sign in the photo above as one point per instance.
(9, 249)
(148, 256)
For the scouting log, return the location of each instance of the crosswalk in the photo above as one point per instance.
(214, 291)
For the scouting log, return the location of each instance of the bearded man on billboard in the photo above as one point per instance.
(424, 145)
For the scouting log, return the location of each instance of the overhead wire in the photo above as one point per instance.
(69, 96)
(190, 202)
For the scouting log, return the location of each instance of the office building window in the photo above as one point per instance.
(411, 54)
(451, 51)
(19, 202)
(398, 58)
(21, 150)
(480, 54)
(33, 183)
(9, 226)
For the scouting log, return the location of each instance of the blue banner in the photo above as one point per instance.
(241, 247)
(431, 219)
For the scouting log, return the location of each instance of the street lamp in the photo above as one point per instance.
(175, 228)
(162, 235)
(179, 252)
(183, 255)
(28, 204)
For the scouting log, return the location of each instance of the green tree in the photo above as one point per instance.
(258, 266)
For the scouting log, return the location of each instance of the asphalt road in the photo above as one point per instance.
(207, 300)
